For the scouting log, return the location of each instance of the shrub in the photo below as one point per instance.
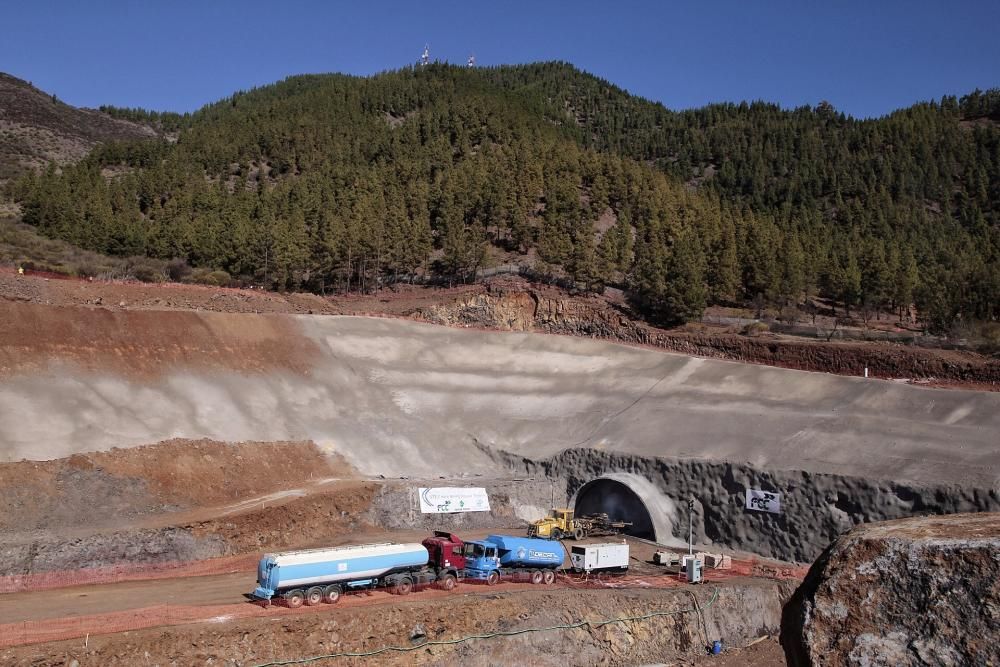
(990, 338)
(87, 270)
(755, 329)
(146, 269)
(206, 277)
(178, 269)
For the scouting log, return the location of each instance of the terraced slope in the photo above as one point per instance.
(398, 398)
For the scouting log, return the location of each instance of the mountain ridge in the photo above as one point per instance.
(333, 181)
(36, 128)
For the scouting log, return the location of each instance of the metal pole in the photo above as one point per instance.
(691, 527)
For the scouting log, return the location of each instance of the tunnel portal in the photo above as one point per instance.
(619, 499)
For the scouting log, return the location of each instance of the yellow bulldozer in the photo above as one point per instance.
(561, 523)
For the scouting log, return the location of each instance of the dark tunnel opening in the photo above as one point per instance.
(619, 502)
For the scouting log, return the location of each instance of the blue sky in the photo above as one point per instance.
(867, 58)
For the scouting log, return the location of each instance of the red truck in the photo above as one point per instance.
(446, 558)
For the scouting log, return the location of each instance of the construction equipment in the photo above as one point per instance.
(561, 523)
(312, 576)
(507, 557)
(608, 556)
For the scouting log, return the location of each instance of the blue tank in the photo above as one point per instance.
(526, 551)
(501, 555)
(348, 566)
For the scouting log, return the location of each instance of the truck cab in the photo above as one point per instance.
(481, 558)
(446, 557)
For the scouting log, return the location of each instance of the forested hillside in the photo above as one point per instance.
(336, 182)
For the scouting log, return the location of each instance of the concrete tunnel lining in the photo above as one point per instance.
(630, 497)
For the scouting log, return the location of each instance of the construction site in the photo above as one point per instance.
(156, 441)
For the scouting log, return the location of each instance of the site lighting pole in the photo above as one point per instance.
(690, 526)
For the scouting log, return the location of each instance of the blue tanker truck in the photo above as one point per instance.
(313, 576)
(505, 556)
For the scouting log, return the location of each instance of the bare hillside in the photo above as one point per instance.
(36, 128)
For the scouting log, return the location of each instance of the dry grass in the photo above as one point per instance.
(21, 245)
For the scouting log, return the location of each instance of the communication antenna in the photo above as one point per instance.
(471, 62)
(425, 57)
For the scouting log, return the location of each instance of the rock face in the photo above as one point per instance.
(514, 305)
(917, 591)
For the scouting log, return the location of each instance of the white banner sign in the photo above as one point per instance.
(763, 501)
(443, 500)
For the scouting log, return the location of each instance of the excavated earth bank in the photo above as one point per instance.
(402, 399)
(514, 304)
(180, 501)
(918, 591)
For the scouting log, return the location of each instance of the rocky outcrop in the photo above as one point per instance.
(918, 591)
(516, 305)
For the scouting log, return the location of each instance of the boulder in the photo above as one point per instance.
(916, 591)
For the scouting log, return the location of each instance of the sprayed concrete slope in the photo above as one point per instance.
(396, 397)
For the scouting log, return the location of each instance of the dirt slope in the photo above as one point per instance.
(401, 398)
(140, 344)
(517, 305)
(115, 487)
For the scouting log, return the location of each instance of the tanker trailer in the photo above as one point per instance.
(506, 556)
(312, 576)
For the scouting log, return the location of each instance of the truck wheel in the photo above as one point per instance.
(404, 586)
(536, 577)
(548, 577)
(557, 534)
(493, 578)
(447, 582)
(578, 534)
(314, 596)
(331, 594)
(294, 599)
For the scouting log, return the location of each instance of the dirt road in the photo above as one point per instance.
(528, 625)
(101, 599)
(230, 588)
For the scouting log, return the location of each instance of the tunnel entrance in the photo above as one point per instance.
(620, 503)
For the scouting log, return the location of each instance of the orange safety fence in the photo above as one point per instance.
(17, 583)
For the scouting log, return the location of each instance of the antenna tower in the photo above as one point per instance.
(425, 57)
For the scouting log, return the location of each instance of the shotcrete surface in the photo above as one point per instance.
(398, 397)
